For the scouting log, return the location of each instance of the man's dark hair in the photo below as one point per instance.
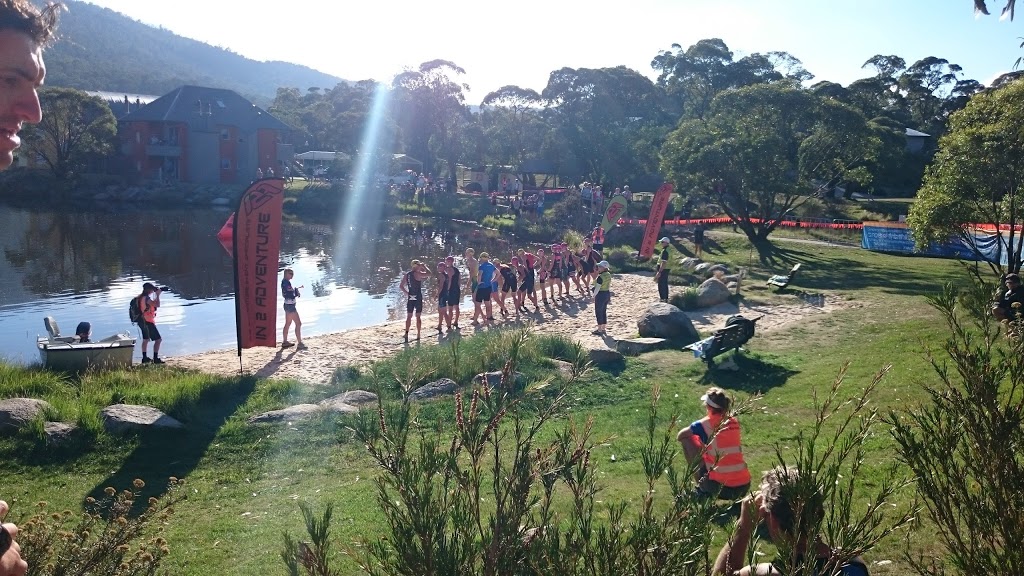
(793, 501)
(23, 16)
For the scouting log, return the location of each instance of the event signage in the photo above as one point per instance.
(616, 208)
(257, 247)
(895, 237)
(654, 219)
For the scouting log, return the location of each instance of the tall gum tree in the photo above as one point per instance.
(764, 150)
(976, 176)
(76, 129)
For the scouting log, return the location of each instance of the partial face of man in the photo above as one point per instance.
(21, 73)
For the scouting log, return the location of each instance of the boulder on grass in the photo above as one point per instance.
(712, 293)
(493, 379)
(637, 346)
(130, 417)
(663, 320)
(434, 389)
(564, 368)
(605, 356)
(58, 433)
(351, 398)
(289, 414)
(710, 271)
(689, 262)
(17, 412)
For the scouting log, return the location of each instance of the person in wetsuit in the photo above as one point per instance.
(412, 287)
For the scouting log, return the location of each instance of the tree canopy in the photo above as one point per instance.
(76, 129)
(765, 149)
(977, 174)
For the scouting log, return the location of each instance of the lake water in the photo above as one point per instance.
(86, 266)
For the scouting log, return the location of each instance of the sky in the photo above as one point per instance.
(522, 42)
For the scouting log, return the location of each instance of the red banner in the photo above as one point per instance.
(658, 206)
(257, 247)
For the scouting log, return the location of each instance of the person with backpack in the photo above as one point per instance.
(143, 313)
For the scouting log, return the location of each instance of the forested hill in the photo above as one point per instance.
(100, 49)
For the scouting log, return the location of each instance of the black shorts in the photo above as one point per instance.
(289, 308)
(149, 331)
(442, 300)
(414, 306)
(509, 287)
(556, 273)
(454, 298)
(482, 294)
(527, 285)
(588, 268)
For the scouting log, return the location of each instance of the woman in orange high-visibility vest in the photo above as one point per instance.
(715, 439)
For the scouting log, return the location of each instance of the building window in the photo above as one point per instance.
(224, 135)
(225, 163)
(138, 137)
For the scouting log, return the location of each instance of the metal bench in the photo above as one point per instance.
(737, 331)
(781, 281)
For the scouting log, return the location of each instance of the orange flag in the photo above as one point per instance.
(654, 219)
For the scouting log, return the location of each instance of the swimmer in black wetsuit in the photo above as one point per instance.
(412, 287)
(454, 291)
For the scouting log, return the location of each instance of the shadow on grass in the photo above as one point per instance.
(159, 455)
(753, 375)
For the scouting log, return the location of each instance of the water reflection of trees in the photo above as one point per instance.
(87, 251)
(373, 257)
(63, 251)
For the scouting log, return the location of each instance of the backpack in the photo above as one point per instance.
(134, 311)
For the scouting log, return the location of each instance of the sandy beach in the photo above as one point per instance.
(631, 294)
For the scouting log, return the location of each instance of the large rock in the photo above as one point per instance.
(564, 368)
(604, 356)
(712, 292)
(130, 417)
(16, 412)
(434, 389)
(663, 320)
(493, 379)
(59, 432)
(351, 398)
(710, 271)
(637, 346)
(289, 414)
(689, 262)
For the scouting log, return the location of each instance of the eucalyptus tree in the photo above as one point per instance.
(976, 176)
(600, 113)
(514, 109)
(76, 129)
(430, 109)
(763, 150)
(694, 76)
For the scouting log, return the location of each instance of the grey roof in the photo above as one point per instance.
(122, 103)
(226, 107)
(912, 132)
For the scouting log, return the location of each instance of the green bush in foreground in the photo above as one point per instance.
(104, 539)
(489, 495)
(965, 444)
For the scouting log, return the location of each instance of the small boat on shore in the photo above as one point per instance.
(72, 354)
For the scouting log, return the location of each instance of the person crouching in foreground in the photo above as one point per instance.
(715, 438)
(789, 517)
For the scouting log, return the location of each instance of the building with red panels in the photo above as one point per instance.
(203, 135)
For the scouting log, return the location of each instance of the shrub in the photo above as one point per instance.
(105, 539)
(685, 299)
(965, 444)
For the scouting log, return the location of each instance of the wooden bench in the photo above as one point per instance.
(737, 331)
(781, 281)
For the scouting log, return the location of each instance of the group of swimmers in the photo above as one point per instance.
(553, 271)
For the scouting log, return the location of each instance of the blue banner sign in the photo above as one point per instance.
(895, 237)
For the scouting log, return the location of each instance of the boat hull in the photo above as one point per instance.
(77, 357)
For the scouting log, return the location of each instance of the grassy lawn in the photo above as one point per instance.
(244, 481)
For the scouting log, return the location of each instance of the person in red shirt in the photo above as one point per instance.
(715, 439)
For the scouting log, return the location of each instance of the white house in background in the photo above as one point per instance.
(916, 140)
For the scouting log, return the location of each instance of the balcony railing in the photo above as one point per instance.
(163, 150)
